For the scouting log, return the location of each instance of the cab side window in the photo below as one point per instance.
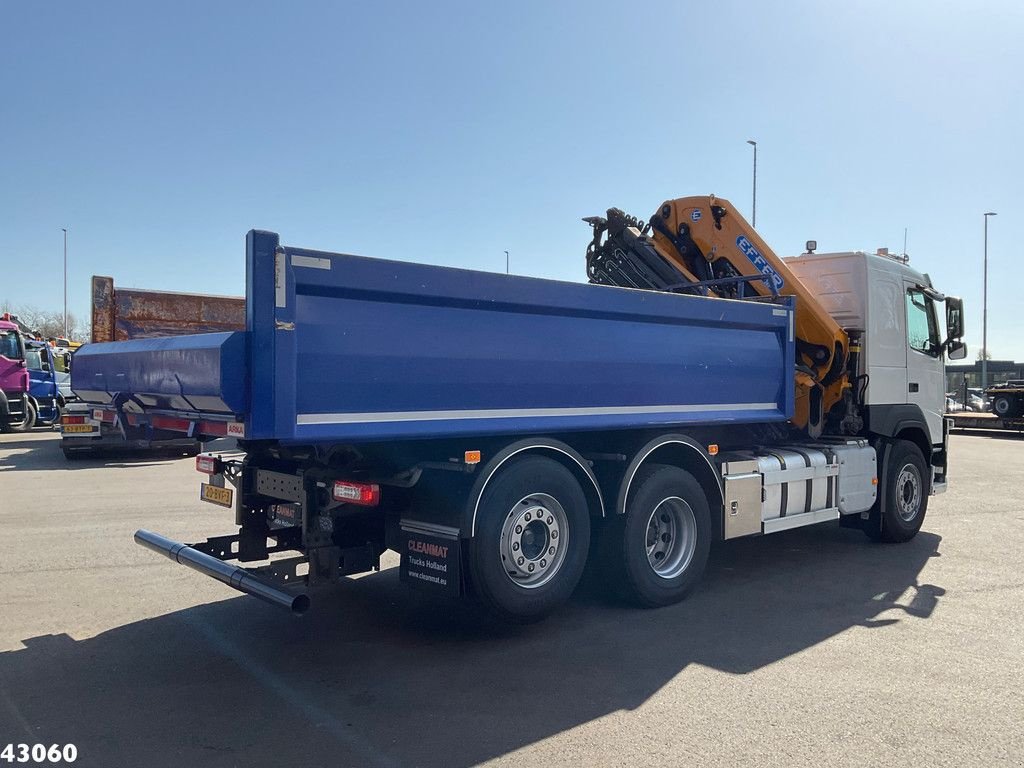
(922, 328)
(9, 345)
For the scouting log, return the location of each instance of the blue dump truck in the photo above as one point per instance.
(120, 314)
(499, 432)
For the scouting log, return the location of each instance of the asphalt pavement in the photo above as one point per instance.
(811, 647)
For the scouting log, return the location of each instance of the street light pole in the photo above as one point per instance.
(506, 262)
(753, 221)
(65, 282)
(984, 312)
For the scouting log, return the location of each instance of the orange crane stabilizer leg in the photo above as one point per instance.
(707, 237)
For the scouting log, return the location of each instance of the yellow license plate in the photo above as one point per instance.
(216, 495)
(77, 429)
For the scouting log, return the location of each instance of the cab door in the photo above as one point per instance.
(926, 379)
(39, 362)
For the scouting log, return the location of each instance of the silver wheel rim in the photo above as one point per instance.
(908, 492)
(534, 540)
(671, 537)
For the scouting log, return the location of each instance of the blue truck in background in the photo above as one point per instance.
(49, 373)
(499, 432)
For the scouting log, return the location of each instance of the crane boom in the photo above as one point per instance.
(702, 245)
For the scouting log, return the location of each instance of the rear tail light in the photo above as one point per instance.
(208, 465)
(364, 494)
(65, 419)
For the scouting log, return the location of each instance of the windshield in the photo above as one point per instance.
(34, 359)
(10, 345)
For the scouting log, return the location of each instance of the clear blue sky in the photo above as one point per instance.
(449, 132)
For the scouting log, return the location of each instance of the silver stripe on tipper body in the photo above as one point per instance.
(520, 413)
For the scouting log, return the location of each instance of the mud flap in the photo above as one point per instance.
(871, 521)
(431, 557)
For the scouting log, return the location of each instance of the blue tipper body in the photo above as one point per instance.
(346, 349)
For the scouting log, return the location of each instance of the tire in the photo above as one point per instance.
(903, 505)
(1005, 407)
(656, 552)
(523, 566)
(29, 421)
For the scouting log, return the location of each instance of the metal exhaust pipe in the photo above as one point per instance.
(233, 576)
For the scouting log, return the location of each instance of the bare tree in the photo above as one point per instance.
(48, 323)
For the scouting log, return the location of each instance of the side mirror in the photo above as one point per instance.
(957, 350)
(954, 318)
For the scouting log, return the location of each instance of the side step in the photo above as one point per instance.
(795, 521)
(233, 576)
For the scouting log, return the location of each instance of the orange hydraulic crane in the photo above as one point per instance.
(702, 245)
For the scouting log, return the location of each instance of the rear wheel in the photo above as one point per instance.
(1005, 406)
(657, 551)
(903, 505)
(531, 542)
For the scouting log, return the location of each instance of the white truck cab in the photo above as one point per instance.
(896, 310)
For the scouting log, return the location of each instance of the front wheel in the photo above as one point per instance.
(657, 551)
(903, 505)
(29, 421)
(533, 533)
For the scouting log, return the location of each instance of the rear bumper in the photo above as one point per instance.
(215, 568)
(107, 438)
(111, 445)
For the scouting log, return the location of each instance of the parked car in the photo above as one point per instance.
(976, 400)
